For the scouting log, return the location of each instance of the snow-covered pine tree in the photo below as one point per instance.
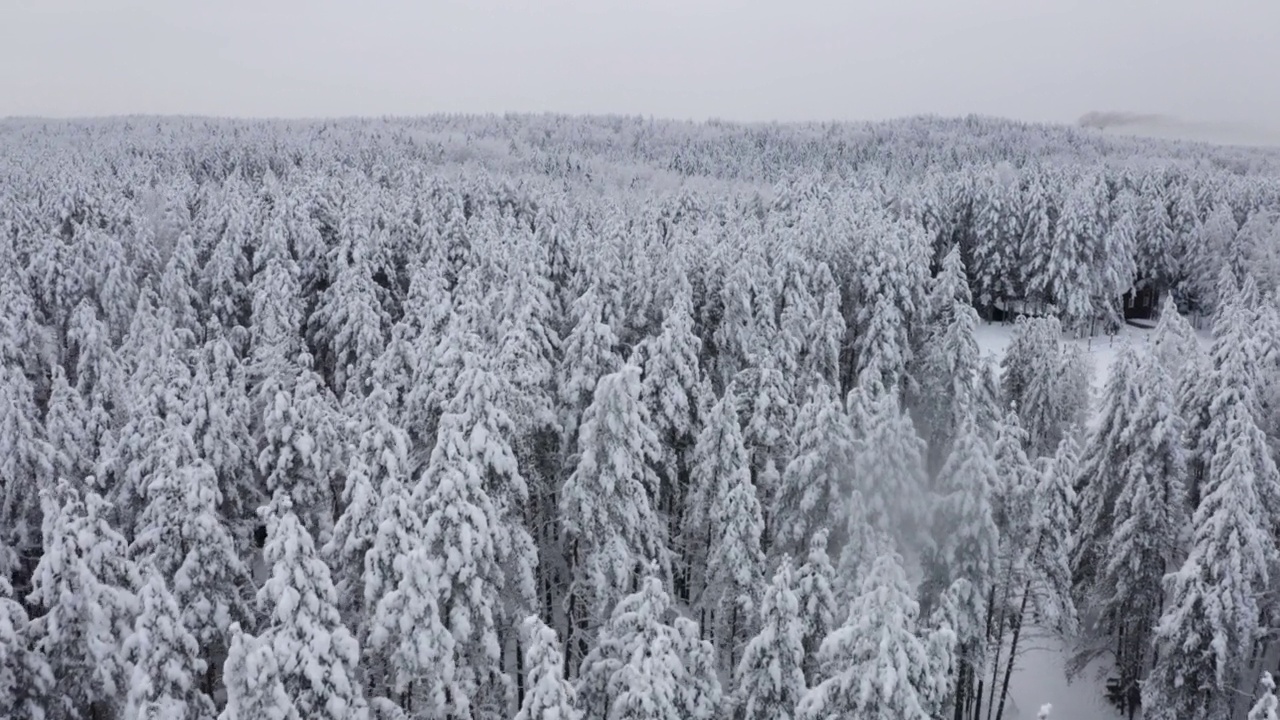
(769, 680)
(964, 547)
(674, 391)
(1149, 517)
(166, 660)
(889, 472)
(816, 481)
(84, 585)
(815, 593)
(1105, 452)
(1266, 707)
(949, 368)
(381, 456)
(718, 458)
(589, 353)
(1211, 616)
(315, 652)
(26, 681)
(876, 665)
(612, 530)
(735, 565)
(255, 688)
(699, 693)
(547, 695)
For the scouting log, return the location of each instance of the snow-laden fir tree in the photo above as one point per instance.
(1266, 707)
(769, 680)
(547, 695)
(26, 681)
(165, 680)
(220, 419)
(949, 365)
(255, 687)
(589, 353)
(1105, 453)
(84, 585)
(1211, 616)
(481, 551)
(735, 565)
(315, 652)
(380, 458)
(719, 457)
(1126, 595)
(642, 666)
(816, 481)
(876, 664)
(815, 593)
(889, 470)
(612, 530)
(964, 546)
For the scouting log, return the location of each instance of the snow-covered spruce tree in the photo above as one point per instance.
(26, 681)
(467, 498)
(948, 370)
(166, 661)
(68, 430)
(735, 566)
(221, 414)
(674, 392)
(889, 472)
(182, 535)
(1106, 451)
(1174, 342)
(876, 665)
(84, 585)
(349, 324)
(1047, 381)
(255, 688)
(589, 353)
(816, 481)
(769, 680)
(815, 592)
(1266, 707)
(718, 459)
(964, 546)
(1211, 618)
(381, 457)
(1125, 597)
(547, 695)
(643, 667)
(611, 528)
(315, 652)
(25, 458)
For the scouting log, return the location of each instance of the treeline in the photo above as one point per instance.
(653, 432)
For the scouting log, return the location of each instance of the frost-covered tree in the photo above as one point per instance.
(315, 652)
(876, 664)
(949, 368)
(735, 564)
(612, 530)
(380, 460)
(255, 688)
(769, 680)
(816, 481)
(889, 470)
(164, 684)
(1211, 616)
(1266, 706)
(1126, 594)
(84, 585)
(26, 681)
(719, 459)
(815, 593)
(1047, 381)
(547, 695)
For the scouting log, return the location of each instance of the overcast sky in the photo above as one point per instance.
(1213, 64)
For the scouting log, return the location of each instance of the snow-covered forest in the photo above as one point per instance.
(557, 418)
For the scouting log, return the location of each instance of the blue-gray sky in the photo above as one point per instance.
(1213, 65)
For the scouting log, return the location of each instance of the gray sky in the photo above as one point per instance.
(1212, 64)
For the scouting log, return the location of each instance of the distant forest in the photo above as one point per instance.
(547, 417)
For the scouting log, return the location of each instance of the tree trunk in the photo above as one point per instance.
(1013, 649)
